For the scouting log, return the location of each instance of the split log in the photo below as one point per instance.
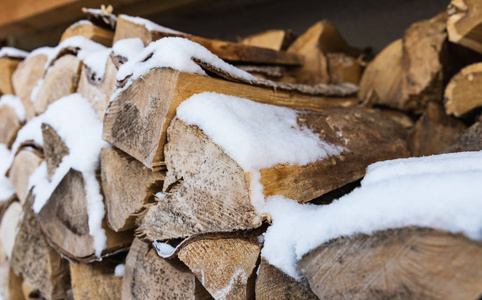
(314, 45)
(64, 221)
(35, 261)
(407, 263)
(409, 73)
(272, 283)
(9, 125)
(60, 80)
(462, 94)
(7, 68)
(464, 23)
(98, 92)
(89, 31)
(434, 131)
(136, 121)
(343, 68)
(127, 185)
(25, 78)
(470, 140)
(206, 172)
(96, 280)
(172, 278)
(8, 226)
(54, 149)
(128, 28)
(272, 39)
(224, 266)
(25, 162)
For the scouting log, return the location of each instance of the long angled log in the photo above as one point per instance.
(35, 261)
(7, 68)
(25, 162)
(207, 172)
(224, 266)
(127, 185)
(462, 92)
(272, 283)
(413, 263)
(64, 221)
(136, 121)
(59, 81)
(25, 78)
(90, 31)
(173, 279)
(464, 23)
(127, 27)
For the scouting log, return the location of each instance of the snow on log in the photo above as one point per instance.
(90, 31)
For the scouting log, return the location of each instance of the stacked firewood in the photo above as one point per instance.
(115, 188)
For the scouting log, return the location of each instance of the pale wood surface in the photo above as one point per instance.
(25, 162)
(89, 31)
(462, 93)
(9, 125)
(7, 68)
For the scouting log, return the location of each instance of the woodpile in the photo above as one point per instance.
(140, 162)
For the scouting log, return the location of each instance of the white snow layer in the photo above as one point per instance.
(175, 53)
(255, 135)
(151, 26)
(441, 191)
(119, 270)
(40, 51)
(6, 187)
(14, 103)
(12, 52)
(128, 48)
(75, 121)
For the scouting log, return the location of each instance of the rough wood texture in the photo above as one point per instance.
(408, 263)
(225, 50)
(224, 266)
(314, 45)
(61, 80)
(462, 94)
(89, 31)
(25, 162)
(208, 191)
(7, 67)
(273, 284)
(464, 25)
(137, 120)
(272, 39)
(148, 276)
(9, 125)
(96, 280)
(434, 131)
(98, 92)
(409, 72)
(127, 185)
(14, 286)
(25, 78)
(64, 221)
(343, 68)
(54, 149)
(470, 140)
(39, 265)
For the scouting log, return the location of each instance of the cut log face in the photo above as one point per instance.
(470, 140)
(7, 68)
(36, 262)
(96, 280)
(127, 185)
(98, 92)
(172, 278)
(207, 191)
(136, 121)
(404, 263)
(9, 125)
(54, 149)
(225, 50)
(272, 39)
(25, 79)
(224, 266)
(464, 23)
(463, 91)
(343, 68)
(25, 162)
(59, 81)
(64, 221)
(89, 31)
(434, 131)
(272, 283)
(8, 226)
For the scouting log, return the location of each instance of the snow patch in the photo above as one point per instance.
(441, 191)
(40, 51)
(12, 52)
(119, 270)
(151, 26)
(14, 103)
(163, 249)
(128, 48)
